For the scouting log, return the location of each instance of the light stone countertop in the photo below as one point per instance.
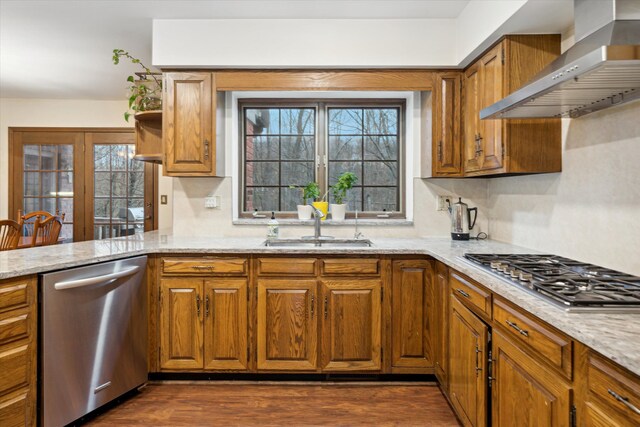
(616, 336)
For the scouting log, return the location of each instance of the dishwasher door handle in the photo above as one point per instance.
(107, 278)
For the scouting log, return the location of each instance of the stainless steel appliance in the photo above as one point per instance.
(93, 337)
(461, 219)
(572, 285)
(601, 70)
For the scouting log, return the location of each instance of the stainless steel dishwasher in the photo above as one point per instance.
(93, 337)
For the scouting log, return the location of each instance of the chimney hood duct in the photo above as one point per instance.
(601, 70)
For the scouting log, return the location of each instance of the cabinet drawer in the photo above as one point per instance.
(614, 389)
(287, 266)
(15, 325)
(550, 345)
(15, 367)
(204, 266)
(350, 266)
(13, 409)
(14, 294)
(465, 290)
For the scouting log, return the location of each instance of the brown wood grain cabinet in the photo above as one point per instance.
(351, 324)
(494, 147)
(148, 125)
(412, 316)
(18, 341)
(189, 124)
(446, 135)
(468, 356)
(440, 330)
(287, 326)
(524, 392)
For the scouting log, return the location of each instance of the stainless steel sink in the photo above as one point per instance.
(317, 242)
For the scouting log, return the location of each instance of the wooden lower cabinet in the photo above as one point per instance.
(440, 329)
(203, 324)
(351, 328)
(524, 392)
(412, 314)
(468, 355)
(287, 331)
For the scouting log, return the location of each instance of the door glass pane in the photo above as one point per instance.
(118, 191)
(48, 182)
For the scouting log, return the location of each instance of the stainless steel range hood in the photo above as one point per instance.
(601, 70)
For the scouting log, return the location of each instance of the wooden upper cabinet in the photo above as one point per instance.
(468, 355)
(181, 324)
(148, 136)
(493, 147)
(412, 317)
(225, 324)
(287, 324)
(351, 324)
(526, 393)
(446, 145)
(188, 125)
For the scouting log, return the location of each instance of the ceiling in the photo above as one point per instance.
(62, 49)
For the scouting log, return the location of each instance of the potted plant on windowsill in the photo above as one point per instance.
(339, 190)
(145, 94)
(309, 191)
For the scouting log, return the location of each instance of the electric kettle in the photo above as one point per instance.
(461, 219)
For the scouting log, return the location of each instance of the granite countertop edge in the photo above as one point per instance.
(612, 335)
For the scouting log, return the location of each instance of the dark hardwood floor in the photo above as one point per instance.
(278, 404)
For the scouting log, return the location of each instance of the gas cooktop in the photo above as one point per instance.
(572, 285)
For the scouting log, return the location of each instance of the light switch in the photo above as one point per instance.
(163, 199)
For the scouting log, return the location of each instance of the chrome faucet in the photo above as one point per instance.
(357, 234)
(317, 217)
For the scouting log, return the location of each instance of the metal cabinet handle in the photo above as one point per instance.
(326, 306)
(198, 304)
(463, 293)
(517, 328)
(206, 306)
(313, 301)
(624, 401)
(206, 149)
(440, 150)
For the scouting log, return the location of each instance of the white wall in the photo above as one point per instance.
(61, 113)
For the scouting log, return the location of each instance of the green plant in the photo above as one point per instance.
(345, 182)
(145, 94)
(309, 191)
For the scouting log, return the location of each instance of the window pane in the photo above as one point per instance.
(101, 210)
(136, 184)
(134, 165)
(65, 206)
(31, 204)
(31, 155)
(262, 121)
(65, 183)
(262, 148)
(381, 148)
(118, 209)
(119, 184)
(65, 157)
(379, 199)
(262, 173)
(338, 168)
(298, 147)
(31, 184)
(345, 148)
(48, 155)
(297, 121)
(297, 173)
(119, 157)
(381, 121)
(101, 157)
(102, 184)
(49, 204)
(262, 198)
(380, 173)
(49, 184)
(345, 121)
(290, 198)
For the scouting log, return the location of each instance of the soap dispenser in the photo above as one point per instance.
(273, 229)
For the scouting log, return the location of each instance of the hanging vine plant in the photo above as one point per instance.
(145, 94)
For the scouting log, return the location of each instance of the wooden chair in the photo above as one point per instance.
(47, 231)
(27, 221)
(9, 234)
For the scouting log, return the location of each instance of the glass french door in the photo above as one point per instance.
(91, 177)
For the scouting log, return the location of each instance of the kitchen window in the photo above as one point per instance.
(293, 142)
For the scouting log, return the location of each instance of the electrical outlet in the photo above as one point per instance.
(441, 202)
(212, 202)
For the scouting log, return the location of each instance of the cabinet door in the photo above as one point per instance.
(467, 365)
(287, 324)
(188, 124)
(471, 147)
(412, 305)
(446, 125)
(225, 325)
(351, 328)
(440, 331)
(492, 81)
(181, 324)
(524, 392)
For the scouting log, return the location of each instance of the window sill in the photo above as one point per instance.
(383, 222)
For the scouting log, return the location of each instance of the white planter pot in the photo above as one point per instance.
(338, 211)
(304, 212)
